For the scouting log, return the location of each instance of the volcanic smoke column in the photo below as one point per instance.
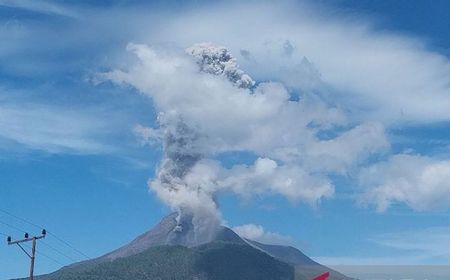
(198, 217)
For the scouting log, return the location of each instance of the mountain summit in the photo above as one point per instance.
(170, 231)
(170, 251)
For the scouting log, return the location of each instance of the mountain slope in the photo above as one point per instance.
(168, 251)
(287, 254)
(305, 267)
(157, 236)
(216, 260)
(167, 232)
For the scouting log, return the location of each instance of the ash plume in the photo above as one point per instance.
(197, 222)
(208, 106)
(181, 154)
(217, 60)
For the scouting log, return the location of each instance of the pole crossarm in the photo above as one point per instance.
(26, 240)
(31, 255)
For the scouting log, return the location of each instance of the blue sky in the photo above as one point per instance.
(71, 161)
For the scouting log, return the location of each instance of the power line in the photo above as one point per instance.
(21, 230)
(11, 226)
(31, 254)
(68, 245)
(39, 227)
(21, 219)
(46, 244)
(30, 248)
(50, 258)
(58, 251)
(46, 256)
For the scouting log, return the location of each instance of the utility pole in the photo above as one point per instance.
(32, 256)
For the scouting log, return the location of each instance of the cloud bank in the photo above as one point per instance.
(259, 234)
(379, 75)
(428, 244)
(308, 93)
(207, 106)
(419, 181)
(53, 130)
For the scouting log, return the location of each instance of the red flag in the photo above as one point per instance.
(323, 276)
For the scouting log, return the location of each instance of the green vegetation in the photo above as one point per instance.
(213, 261)
(165, 262)
(225, 261)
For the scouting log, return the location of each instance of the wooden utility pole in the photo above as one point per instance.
(31, 255)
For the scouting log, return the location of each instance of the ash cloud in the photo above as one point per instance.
(207, 105)
(180, 151)
(181, 154)
(217, 60)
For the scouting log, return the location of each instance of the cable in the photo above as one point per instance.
(49, 232)
(50, 258)
(68, 245)
(57, 251)
(44, 255)
(21, 219)
(13, 227)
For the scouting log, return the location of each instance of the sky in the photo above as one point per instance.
(340, 144)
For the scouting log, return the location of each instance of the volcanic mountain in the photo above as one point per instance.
(170, 251)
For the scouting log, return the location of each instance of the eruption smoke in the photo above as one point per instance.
(182, 153)
(197, 213)
(207, 106)
(218, 61)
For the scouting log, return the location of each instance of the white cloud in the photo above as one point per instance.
(389, 269)
(264, 120)
(218, 116)
(430, 244)
(423, 183)
(373, 75)
(364, 260)
(41, 6)
(413, 247)
(264, 176)
(147, 135)
(259, 234)
(339, 154)
(380, 75)
(205, 110)
(51, 129)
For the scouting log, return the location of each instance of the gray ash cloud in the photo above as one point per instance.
(181, 146)
(217, 60)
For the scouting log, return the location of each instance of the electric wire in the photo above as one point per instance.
(12, 227)
(50, 258)
(38, 252)
(19, 218)
(68, 245)
(48, 232)
(57, 251)
(27, 246)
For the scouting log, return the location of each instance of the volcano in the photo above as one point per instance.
(170, 251)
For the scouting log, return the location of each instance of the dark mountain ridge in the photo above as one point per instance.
(168, 251)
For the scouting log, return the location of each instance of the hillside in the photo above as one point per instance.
(166, 252)
(217, 260)
(305, 267)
